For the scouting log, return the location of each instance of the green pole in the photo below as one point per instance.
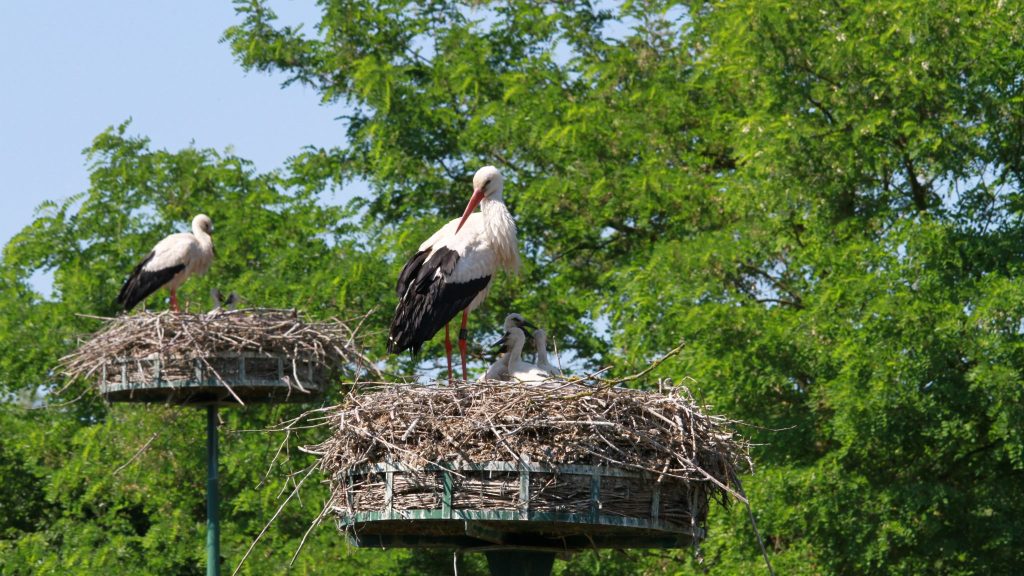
(520, 562)
(212, 497)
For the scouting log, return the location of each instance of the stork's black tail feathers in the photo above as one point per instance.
(427, 300)
(420, 315)
(141, 283)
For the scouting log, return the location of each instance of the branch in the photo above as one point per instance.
(137, 454)
(777, 283)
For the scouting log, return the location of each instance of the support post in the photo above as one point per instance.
(212, 495)
(511, 562)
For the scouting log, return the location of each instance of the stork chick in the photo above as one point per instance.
(540, 342)
(499, 369)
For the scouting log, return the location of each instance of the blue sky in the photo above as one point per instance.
(71, 69)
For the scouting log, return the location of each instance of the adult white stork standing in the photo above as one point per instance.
(170, 263)
(499, 369)
(540, 342)
(452, 271)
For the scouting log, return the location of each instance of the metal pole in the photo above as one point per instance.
(212, 496)
(520, 562)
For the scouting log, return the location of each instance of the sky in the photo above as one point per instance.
(72, 69)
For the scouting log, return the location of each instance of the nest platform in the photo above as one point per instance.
(553, 467)
(221, 358)
(562, 507)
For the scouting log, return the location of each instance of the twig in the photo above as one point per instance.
(323, 514)
(753, 523)
(647, 370)
(137, 454)
(272, 518)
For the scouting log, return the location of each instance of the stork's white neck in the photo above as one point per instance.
(501, 230)
(515, 349)
(540, 341)
(201, 235)
(201, 264)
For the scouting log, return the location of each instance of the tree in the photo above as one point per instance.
(824, 201)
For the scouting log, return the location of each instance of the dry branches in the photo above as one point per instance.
(171, 347)
(662, 439)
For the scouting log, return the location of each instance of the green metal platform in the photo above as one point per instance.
(222, 379)
(535, 531)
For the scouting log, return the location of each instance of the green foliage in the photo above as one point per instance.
(99, 489)
(823, 200)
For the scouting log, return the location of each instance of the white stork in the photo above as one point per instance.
(540, 342)
(170, 263)
(452, 271)
(499, 369)
(520, 370)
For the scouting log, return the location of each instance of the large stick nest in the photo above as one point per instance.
(666, 437)
(178, 341)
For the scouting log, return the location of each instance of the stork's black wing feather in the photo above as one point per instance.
(427, 301)
(439, 265)
(410, 271)
(141, 283)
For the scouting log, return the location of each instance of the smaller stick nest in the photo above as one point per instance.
(172, 347)
(665, 438)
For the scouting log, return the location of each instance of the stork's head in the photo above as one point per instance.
(202, 223)
(515, 320)
(487, 183)
(540, 338)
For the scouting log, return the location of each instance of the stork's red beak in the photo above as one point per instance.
(478, 195)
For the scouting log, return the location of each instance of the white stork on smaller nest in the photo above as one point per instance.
(170, 263)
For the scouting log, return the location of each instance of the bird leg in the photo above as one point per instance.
(174, 300)
(462, 344)
(448, 352)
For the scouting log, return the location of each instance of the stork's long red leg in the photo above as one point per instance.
(448, 352)
(174, 300)
(462, 344)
